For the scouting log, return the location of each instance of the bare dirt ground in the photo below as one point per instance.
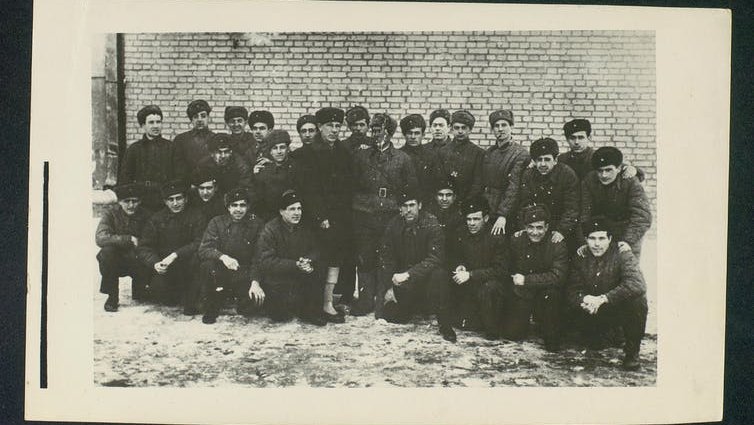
(147, 345)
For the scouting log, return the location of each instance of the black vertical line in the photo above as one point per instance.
(121, 96)
(43, 330)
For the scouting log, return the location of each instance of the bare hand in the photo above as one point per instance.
(160, 267)
(629, 171)
(499, 226)
(167, 261)
(519, 233)
(261, 162)
(325, 224)
(305, 265)
(135, 240)
(390, 296)
(518, 279)
(229, 262)
(624, 246)
(591, 303)
(461, 277)
(557, 237)
(581, 251)
(400, 278)
(256, 293)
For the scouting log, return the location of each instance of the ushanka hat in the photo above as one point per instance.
(197, 106)
(607, 155)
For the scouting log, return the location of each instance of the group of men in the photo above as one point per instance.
(485, 239)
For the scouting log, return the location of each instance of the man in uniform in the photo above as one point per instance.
(504, 163)
(411, 267)
(461, 158)
(168, 247)
(206, 197)
(191, 146)
(478, 263)
(620, 200)
(229, 170)
(148, 161)
(227, 254)
(306, 127)
(357, 119)
(324, 181)
(118, 235)
(425, 160)
(275, 178)
(555, 186)
(539, 268)
(242, 142)
(261, 122)
(439, 126)
(291, 268)
(381, 174)
(445, 208)
(607, 288)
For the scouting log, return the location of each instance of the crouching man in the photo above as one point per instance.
(118, 234)
(411, 272)
(539, 267)
(291, 273)
(227, 255)
(478, 263)
(607, 288)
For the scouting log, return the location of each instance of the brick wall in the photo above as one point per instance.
(545, 77)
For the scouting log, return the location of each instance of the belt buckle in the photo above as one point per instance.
(382, 192)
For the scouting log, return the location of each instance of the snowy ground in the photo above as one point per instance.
(148, 345)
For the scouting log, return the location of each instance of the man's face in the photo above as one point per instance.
(379, 132)
(410, 210)
(461, 131)
(502, 130)
(439, 129)
(176, 203)
(129, 205)
(330, 131)
(292, 213)
(200, 121)
(238, 209)
(307, 133)
(607, 174)
(536, 230)
(236, 125)
(445, 198)
(598, 242)
(545, 163)
(579, 141)
(259, 130)
(207, 190)
(152, 126)
(414, 136)
(359, 126)
(222, 156)
(475, 222)
(279, 152)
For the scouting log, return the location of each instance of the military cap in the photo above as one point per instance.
(288, 198)
(262, 116)
(408, 195)
(197, 106)
(235, 112)
(235, 195)
(476, 204)
(534, 212)
(329, 114)
(276, 136)
(129, 190)
(439, 113)
(413, 121)
(464, 117)
(501, 114)
(146, 111)
(357, 113)
(607, 155)
(202, 175)
(448, 182)
(219, 141)
(578, 124)
(597, 224)
(305, 119)
(385, 120)
(543, 146)
(173, 187)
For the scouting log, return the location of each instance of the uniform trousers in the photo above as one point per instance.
(544, 304)
(630, 315)
(477, 305)
(115, 262)
(293, 296)
(430, 293)
(369, 229)
(219, 283)
(178, 285)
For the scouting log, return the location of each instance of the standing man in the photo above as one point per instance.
(539, 268)
(425, 160)
(324, 180)
(462, 159)
(168, 247)
(292, 273)
(261, 122)
(439, 125)
(478, 263)
(504, 163)
(227, 254)
(306, 127)
(381, 174)
(411, 272)
(607, 288)
(191, 146)
(229, 170)
(118, 235)
(243, 143)
(275, 178)
(620, 200)
(555, 186)
(148, 161)
(206, 197)
(357, 119)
